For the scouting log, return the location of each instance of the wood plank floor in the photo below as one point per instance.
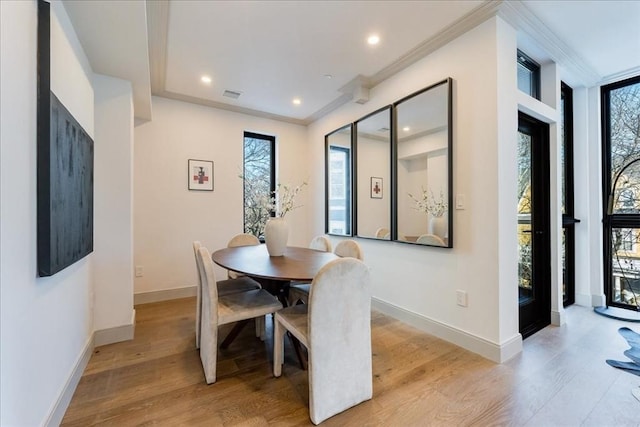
(560, 379)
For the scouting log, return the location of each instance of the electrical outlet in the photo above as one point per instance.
(461, 298)
(139, 271)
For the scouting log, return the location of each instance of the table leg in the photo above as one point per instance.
(233, 333)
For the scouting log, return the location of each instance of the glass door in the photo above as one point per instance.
(534, 288)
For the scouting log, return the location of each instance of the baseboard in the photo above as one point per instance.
(116, 334)
(57, 413)
(164, 295)
(558, 318)
(590, 300)
(498, 353)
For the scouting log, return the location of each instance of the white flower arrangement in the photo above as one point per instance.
(427, 203)
(283, 199)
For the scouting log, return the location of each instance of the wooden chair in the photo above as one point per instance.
(243, 239)
(430, 239)
(224, 287)
(220, 310)
(335, 327)
(299, 291)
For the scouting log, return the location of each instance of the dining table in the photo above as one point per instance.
(274, 273)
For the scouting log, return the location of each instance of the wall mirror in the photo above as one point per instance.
(373, 175)
(424, 166)
(338, 182)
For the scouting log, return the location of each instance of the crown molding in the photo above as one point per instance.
(229, 107)
(622, 75)
(523, 20)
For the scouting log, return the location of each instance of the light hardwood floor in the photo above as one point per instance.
(560, 379)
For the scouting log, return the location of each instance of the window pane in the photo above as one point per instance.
(525, 286)
(563, 175)
(258, 185)
(625, 265)
(624, 118)
(339, 184)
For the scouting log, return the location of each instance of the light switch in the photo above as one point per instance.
(460, 201)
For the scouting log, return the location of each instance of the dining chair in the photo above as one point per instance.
(430, 239)
(335, 327)
(382, 233)
(299, 291)
(220, 310)
(349, 249)
(243, 239)
(224, 287)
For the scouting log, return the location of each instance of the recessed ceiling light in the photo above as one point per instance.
(373, 39)
(297, 101)
(206, 80)
(406, 128)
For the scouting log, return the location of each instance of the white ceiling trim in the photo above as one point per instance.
(514, 12)
(522, 19)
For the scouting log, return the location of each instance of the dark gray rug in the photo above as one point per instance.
(633, 338)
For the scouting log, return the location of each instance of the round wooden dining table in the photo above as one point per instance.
(297, 264)
(274, 273)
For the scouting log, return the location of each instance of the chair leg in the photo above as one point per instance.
(209, 352)
(278, 347)
(260, 325)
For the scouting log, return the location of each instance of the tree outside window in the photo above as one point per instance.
(259, 181)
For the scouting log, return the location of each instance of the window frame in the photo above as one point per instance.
(272, 167)
(533, 67)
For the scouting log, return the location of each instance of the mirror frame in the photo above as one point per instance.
(351, 187)
(391, 176)
(394, 162)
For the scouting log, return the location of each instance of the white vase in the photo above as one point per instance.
(276, 234)
(438, 226)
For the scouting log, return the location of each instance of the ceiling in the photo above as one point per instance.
(274, 51)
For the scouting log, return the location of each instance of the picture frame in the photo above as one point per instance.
(376, 187)
(200, 175)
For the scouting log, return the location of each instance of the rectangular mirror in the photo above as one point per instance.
(338, 182)
(424, 166)
(373, 175)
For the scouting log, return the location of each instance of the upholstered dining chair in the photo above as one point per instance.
(430, 239)
(299, 291)
(335, 327)
(349, 249)
(242, 239)
(320, 243)
(224, 287)
(220, 310)
(382, 233)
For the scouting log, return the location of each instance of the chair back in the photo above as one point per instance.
(196, 247)
(382, 233)
(209, 292)
(243, 239)
(339, 331)
(320, 243)
(430, 239)
(350, 249)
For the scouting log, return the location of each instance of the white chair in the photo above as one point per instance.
(220, 310)
(243, 239)
(225, 287)
(299, 291)
(382, 233)
(320, 243)
(430, 239)
(349, 249)
(335, 327)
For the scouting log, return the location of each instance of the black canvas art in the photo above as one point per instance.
(65, 172)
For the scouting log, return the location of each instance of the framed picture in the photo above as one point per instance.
(376, 187)
(200, 175)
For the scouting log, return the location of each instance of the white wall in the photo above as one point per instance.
(419, 283)
(168, 217)
(113, 210)
(46, 324)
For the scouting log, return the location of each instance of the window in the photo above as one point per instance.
(568, 215)
(528, 75)
(339, 190)
(259, 174)
(621, 187)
